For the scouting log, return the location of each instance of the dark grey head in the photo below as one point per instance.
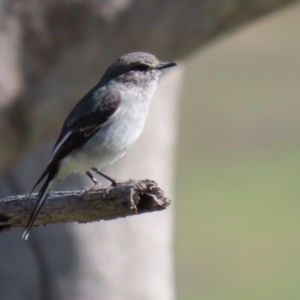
(135, 66)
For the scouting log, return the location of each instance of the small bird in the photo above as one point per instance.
(103, 124)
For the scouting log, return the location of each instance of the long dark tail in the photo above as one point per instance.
(43, 195)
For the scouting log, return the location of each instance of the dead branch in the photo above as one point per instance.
(126, 199)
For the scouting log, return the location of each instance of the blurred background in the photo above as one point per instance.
(234, 102)
(238, 171)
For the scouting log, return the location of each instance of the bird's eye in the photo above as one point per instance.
(141, 68)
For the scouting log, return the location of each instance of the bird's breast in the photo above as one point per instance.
(123, 128)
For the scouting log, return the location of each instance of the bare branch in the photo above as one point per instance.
(126, 199)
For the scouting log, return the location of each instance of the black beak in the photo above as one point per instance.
(165, 65)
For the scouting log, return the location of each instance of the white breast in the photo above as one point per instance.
(112, 140)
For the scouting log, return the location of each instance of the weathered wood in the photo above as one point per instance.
(126, 199)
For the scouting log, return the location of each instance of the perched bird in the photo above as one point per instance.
(103, 124)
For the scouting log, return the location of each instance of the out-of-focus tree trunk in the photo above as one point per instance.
(51, 53)
(123, 259)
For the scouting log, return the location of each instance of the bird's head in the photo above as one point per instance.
(136, 67)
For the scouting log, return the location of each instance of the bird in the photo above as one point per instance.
(103, 124)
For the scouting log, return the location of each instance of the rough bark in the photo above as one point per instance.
(95, 204)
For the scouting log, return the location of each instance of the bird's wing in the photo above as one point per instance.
(84, 121)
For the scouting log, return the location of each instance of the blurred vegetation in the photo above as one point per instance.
(238, 177)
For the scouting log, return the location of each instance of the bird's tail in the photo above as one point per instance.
(42, 197)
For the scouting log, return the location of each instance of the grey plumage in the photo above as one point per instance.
(103, 124)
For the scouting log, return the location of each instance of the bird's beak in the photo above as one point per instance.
(165, 65)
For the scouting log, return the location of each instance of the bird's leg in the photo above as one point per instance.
(91, 177)
(113, 182)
